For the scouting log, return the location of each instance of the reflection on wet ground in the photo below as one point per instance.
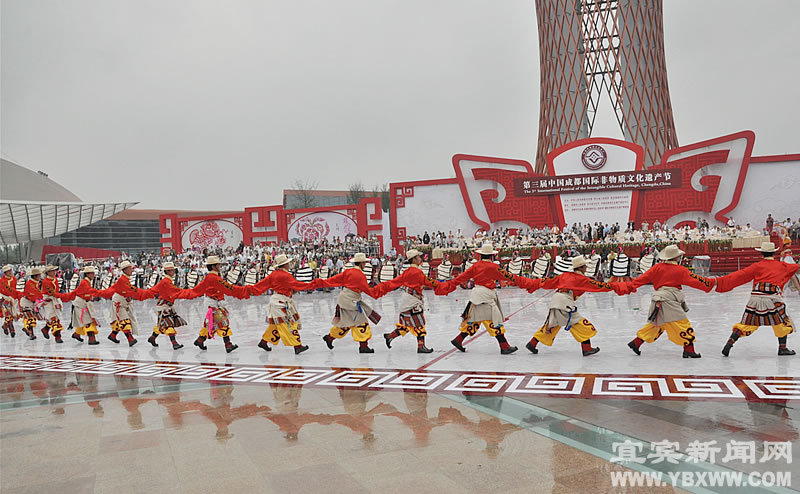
(67, 432)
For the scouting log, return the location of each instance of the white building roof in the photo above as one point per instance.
(23, 221)
(34, 207)
(18, 183)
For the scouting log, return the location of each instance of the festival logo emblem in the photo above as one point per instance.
(594, 157)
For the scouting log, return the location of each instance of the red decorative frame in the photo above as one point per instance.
(777, 158)
(175, 230)
(457, 158)
(368, 215)
(260, 218)
(750, 136)
(167, 234)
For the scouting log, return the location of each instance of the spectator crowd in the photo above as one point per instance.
(325, 258)
(599, 233)
(328, 257)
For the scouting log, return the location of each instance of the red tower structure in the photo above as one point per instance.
(591, 49)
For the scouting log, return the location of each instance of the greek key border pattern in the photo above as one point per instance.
(687, 388)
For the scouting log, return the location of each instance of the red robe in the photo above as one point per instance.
(8, 287)
(84, 290)
(412, 278)
(282, 282)
(124, 288)
(672, 275)
(579, 284)
(49, 287)
(33, 290)
(483, 273)
(767, 271)
(166, 290)
(353, 279)
(213, 286)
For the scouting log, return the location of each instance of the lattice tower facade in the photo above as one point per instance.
(593, 49)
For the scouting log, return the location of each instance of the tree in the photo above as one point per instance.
(355, 193)
(304, 189)
(382, 191)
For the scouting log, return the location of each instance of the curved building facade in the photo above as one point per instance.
(34, 208)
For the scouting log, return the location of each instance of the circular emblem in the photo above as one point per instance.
(594, 157)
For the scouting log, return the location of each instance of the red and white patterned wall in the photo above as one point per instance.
(271, 224)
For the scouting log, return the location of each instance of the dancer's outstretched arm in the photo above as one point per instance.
(282, 282)
(530, 284)
(215, 284)
(83, 290)
(729, 282)
(354, 281)
(411, 277)
(697, 281)
(123, 287)
(262, 286)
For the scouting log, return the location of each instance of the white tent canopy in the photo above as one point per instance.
(24, 221)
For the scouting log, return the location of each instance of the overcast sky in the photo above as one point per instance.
(209, 104)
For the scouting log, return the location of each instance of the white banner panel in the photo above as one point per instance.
(595, 155)
(434, 208)
(212, 234)
(770, 188)
(316, 226)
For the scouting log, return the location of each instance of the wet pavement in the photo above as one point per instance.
(75, 418)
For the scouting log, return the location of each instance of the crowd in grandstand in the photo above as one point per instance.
(325, 258)
(597, 232)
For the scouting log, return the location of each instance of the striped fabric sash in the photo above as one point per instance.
(765, 288)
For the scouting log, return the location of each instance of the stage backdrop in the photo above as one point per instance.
(772, 187)
(602, 179)
(271, 225)
(314, 227)
(212, 234)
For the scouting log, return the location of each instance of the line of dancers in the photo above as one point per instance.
(41, 300)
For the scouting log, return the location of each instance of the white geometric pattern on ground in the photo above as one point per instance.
(617, 319)
(562, 386)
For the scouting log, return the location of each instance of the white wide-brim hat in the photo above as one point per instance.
(49, 268)
(125, 264)
(167, 265)
(767, 247)
(487, 249)
(211, 260)
(35, 271)
(7, 267)
(359, 257)
(89, 269)
(670, 252)
(578, 261)
(282, 259)
(412, 253)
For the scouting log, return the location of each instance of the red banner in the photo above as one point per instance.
(597, 182)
